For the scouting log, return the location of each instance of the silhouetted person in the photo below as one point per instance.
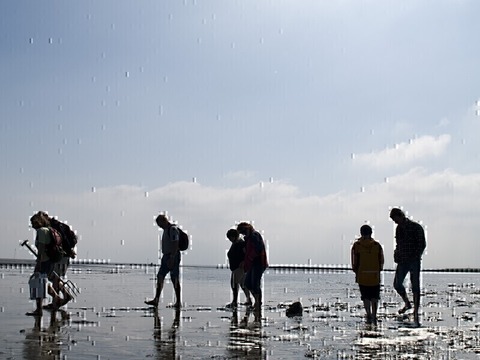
(60, 267)
(44, 266)
(170, 262)
(236, 257)
(410, 244)
(255, 263)
(367, 263)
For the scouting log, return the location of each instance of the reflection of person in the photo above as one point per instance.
(44, 265)
(170, 262)
(367, 263)
(166, 348)
(236, 256)
(410, 244)
(45, 343)
(246, 339)
(255, 263)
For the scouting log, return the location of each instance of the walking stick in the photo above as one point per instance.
(69, 287)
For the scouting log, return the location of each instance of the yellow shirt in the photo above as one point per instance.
(367, 261)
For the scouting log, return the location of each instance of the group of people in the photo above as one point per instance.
(46, 268)
(248, 261)
(367, 259)
(247, 258)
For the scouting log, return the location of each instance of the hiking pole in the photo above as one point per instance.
(68, 285)
(25, 243)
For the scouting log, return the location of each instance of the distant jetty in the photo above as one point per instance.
(7, 263)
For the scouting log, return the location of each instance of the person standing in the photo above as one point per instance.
(44, 266)
(367, 263)
(170, 262)
(69, 240)
(410, 244)
(236, 257)
(255, 263)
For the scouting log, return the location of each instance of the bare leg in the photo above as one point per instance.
(407, 305)
(38, 311)
(258, 306)
(158, 291)
(178, 290)
(368, 311)
(235, 296)
(416, 307)
(247, 296)
(374, 311)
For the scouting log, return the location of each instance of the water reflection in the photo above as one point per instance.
(46, 343)
(375, 343)
(166, 345)
(246, 336)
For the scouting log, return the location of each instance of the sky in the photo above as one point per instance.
(307, 118)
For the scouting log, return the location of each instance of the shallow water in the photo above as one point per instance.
(109, 321)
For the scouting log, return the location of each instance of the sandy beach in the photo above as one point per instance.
(108, 319)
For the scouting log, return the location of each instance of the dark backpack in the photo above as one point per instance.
(183, 239)
(54, 247)
(69, 238)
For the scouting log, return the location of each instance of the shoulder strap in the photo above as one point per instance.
(170, 230)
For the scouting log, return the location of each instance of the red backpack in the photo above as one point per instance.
(54, 247)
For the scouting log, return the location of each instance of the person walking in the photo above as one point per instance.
(255, 263)
(410, 244)
(69, 241)
(367, 263)
(170, 262)
(236, 257)
(43, 266)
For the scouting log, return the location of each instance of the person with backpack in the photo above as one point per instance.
(410, 244)
(236, 257)
(68, 244)
(255, 263)
(43, 266)
(171, 258)
(367, 263)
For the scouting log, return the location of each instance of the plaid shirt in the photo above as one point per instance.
(410, 239)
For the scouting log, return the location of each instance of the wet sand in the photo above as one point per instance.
(108, 320)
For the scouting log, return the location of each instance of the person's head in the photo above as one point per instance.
(162, 221)
(39, 220)
(397, 215)
(366, 231)
(233, 235)
(43, 214)
(245, 228)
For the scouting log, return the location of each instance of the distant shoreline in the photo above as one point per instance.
(306, 267)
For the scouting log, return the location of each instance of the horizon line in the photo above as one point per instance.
(323, 267)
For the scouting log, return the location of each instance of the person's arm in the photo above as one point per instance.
(422, 243)
(381, 257)
(354, 259)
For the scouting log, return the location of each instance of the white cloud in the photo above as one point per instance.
(118, 223)
(406, 153)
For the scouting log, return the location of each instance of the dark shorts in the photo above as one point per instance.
(370, 292)
(46, 267)
(164, 270)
